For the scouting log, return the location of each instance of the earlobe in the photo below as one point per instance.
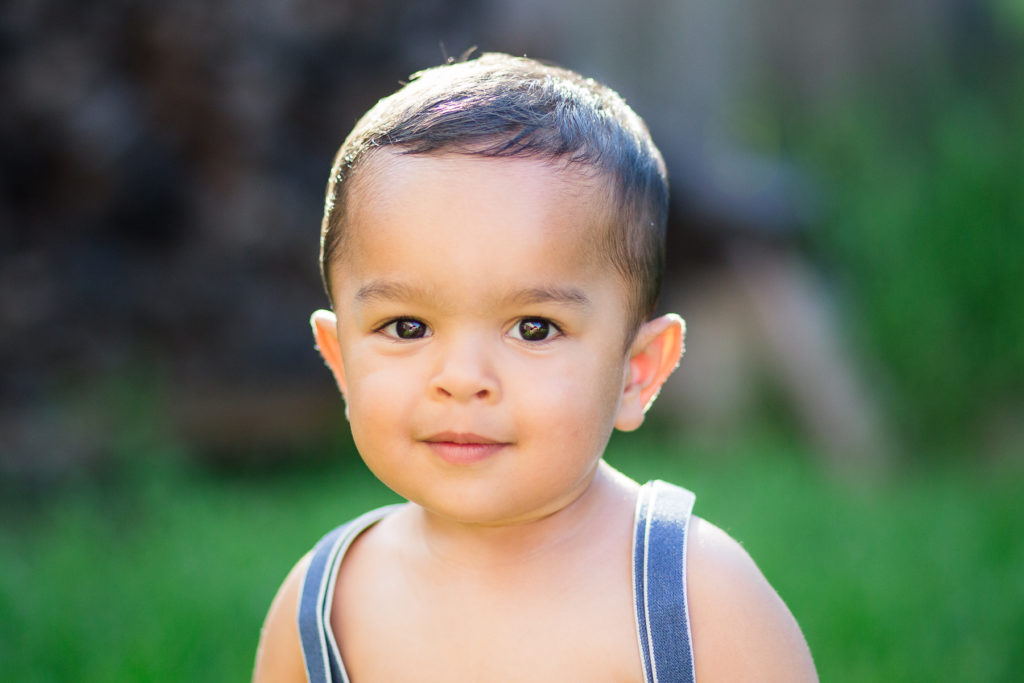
(653, 356)
(325, 332)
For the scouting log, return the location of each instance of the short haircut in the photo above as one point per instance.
(503, 106)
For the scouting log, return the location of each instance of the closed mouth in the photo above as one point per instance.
(463, 448)
(462, 438)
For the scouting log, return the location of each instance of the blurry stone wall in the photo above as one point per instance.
(162, 168)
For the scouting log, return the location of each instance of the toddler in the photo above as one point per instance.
(492, 248)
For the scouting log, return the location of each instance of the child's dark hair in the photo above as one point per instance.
(503, 106)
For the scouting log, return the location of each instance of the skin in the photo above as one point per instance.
(481, 358)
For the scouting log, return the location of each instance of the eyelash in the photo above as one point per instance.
(391, 329)
(393, 334)
(554, 330)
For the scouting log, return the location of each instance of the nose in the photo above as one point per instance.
(465, 373)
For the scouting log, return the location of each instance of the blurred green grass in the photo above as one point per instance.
(165, 573)
(923, 241)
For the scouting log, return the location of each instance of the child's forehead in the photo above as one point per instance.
(388, 178)
(550, 207)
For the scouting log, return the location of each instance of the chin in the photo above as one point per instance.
(493, 508)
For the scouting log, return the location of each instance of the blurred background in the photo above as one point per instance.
(846, 244)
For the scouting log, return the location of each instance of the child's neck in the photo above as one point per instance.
(605, 504)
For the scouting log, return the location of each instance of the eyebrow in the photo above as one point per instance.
(556, 295)
(387, 290)
(384, 290)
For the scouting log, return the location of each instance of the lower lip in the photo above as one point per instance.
(464, 453)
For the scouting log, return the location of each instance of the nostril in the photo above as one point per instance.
(465, 380)
(447, 391)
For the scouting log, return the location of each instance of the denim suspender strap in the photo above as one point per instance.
(659, 583)
(311, 607)
(319, 648)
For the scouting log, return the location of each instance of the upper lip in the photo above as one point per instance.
(462, 438)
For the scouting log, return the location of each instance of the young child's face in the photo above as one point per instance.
(481, 332)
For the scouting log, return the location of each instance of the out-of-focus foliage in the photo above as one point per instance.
(167, 574)
(1010, 13)
(925, 228)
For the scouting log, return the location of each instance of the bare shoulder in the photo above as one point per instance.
(279, 656)
(742, 630)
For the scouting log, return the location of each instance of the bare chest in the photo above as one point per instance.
(554, 626)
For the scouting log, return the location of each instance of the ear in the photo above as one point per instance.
(325, 332)
(653, 356)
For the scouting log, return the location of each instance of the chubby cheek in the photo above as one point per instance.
(378, 431)
(379, 406)
(570, 401)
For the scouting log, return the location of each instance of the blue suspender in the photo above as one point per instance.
(659, 583)
(313, 608)
(659, 589)
(319, 651)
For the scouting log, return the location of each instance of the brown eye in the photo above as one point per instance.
(533, 329)
(406, 328)
(410, 329)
